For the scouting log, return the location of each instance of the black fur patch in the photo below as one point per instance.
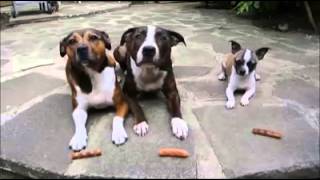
(81, 78)
(251, 66)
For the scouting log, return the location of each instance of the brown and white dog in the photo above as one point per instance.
(239, 67)
(145, 54)
(91, 76)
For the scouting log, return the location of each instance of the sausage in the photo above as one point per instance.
(267, 132)
(86, 154)
(173, 152)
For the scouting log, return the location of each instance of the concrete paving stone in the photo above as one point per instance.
(9, 175)
(301, 59)
(205, 90)
(242, 153)
(193, 56)
(299, 91)
(220, 45)
(189, 71)
(17, 91)
(310, 73)
(202, 38)
(42, 134)
(138, 158)
(4, 61)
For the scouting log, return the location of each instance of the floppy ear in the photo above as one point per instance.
(126, 34)
(176, 38)
(235, 47)
(63, 46)
(105, 38)
(261, 52)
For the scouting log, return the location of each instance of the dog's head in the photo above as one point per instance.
(85, 46)
(246, 60)
(150, 44)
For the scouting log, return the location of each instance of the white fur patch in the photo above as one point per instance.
(247, 55)
(258, 77)
(141, 129)
(103, 85)
(222, 76)
(179, 128)
(119, 135)
(136, 71)
(149, 41)
(230, 104)
(240, 82)
(79, 139)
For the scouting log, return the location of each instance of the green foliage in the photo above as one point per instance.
(255, 7)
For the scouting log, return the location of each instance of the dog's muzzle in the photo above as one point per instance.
(242, 72)
(148, 51)
(83, 54)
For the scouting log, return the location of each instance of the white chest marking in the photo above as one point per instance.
(103, 85)
(137, 71)
(149, 41)
(240, 82)
(247, 55)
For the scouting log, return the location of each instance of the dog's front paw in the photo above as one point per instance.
(119, 135)
(244, 102)
(78, 141)
(230, 104)
(141, 129)
(221, 77)
(258, 77)
(179, 128)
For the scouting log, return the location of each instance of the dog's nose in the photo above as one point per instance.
(242, 72)
(149, 51)
(82, 51)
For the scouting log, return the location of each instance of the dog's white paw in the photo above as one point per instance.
(230, 104)
(179, 128)
(244, 101)
(79, 141)
(258, 77)
(141, 129)
(119, 135)
(221, 77)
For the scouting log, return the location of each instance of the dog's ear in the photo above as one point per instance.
(261, 52)
(63, 46)
(126, 34)
(235, 47)
(176, 38)
(105, 38)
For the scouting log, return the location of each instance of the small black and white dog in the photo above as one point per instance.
(239, 67)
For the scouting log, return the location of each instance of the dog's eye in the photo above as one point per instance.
(239, 62)
(164, 38)
(93, 38)
(72, 41)
(138, 36)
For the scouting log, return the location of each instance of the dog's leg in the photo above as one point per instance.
(230, 96)
(119, 135)
(141, 126)
(258, 77)
(247, 95)
(178, 125)
(222, 75)
(79, 115)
